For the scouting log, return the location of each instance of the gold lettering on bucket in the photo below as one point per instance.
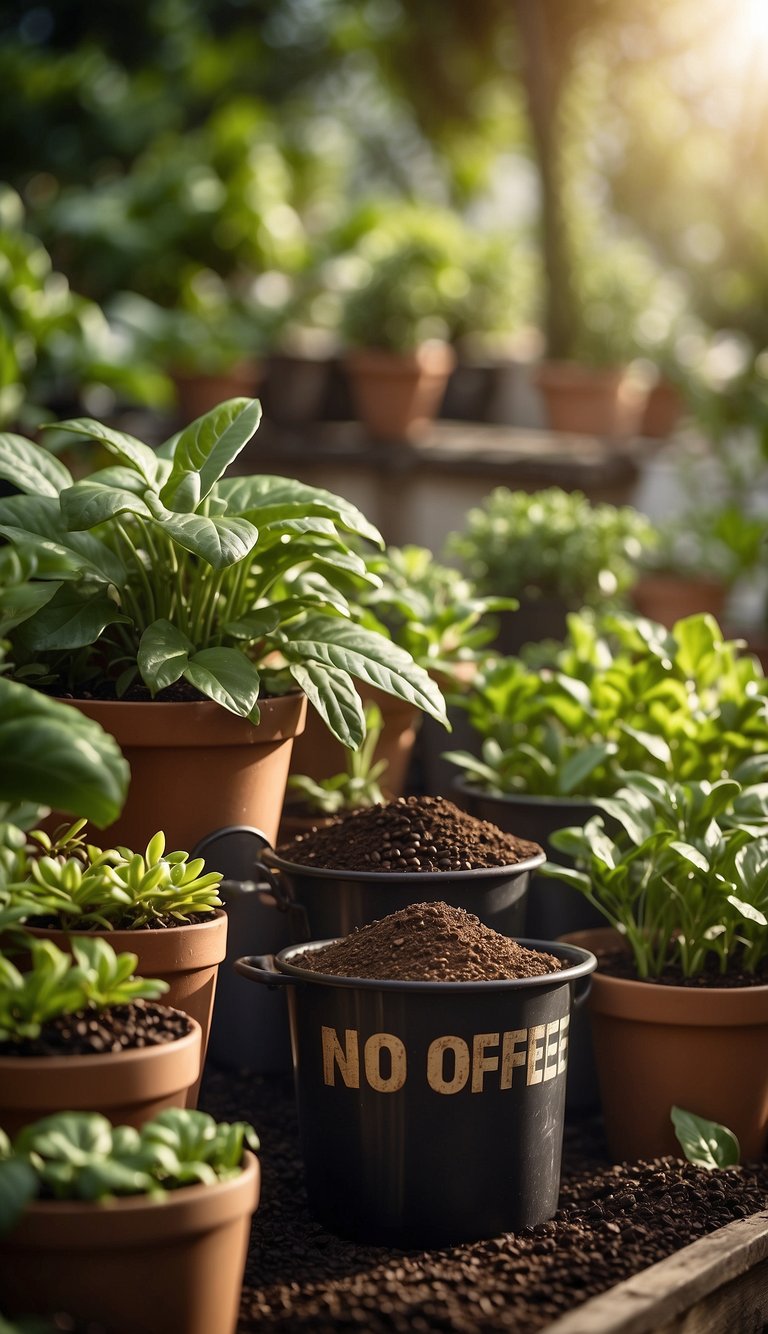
(516, 1037)
(550, 1050)
(347, 1060)
(372, 1056)
(480, 1062)
(535, 1072)
(436, 1064)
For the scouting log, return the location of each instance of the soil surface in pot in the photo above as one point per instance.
(94, 1032)
(180, 692)
(429, 942)
(163, 923)
(618, 963)
(410, 834)
(612, 1223)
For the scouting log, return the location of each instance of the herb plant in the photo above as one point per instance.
(53, 985)
(85, 886)
(705, 1143)
(173, 573)
(622, 694)
(357, 786)
(81, 1156)
(684, 878)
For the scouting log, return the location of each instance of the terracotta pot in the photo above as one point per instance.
(662, 412)
(135, 1266)
(195, 767)
(198, 392)
(319, 755)
(398, 396)
(186, 957)
(586, 400)
(668, 597)
(128, 1087)
(699, 1048)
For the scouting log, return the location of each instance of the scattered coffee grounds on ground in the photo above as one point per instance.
(429, 942)
(620, 963)
(612, 1223)
(409, 835)
(93, 1032)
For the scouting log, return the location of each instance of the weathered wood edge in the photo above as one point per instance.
(644, 1303)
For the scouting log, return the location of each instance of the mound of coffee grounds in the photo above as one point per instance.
(409, 835)
(94, 1032)
(429, 942)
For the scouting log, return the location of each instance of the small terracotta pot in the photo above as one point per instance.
(699, 1048)
(186, 957)
(195, 767)
(662, 412)
(586, 400)
(198, 392)
(398, 396)
(128, 1087)
(135, 1265)
(667, 598)
(319, 755)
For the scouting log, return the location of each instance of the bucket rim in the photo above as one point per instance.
(582, 963)
(510, 872)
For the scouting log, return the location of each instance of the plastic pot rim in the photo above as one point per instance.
(510, 872)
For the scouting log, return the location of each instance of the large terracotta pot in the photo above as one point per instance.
(398, 396)
(699, 1048)
(198, 392)
(186, 957)
(135, 1266)
(128, 1087)
(667, 598)
(586, 400)
(319, 755)
(195, 767)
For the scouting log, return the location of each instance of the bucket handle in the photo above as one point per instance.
(284, 903)
(261, 968)
(581, 990)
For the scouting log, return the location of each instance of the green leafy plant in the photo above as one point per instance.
(622, 694)
(357, 786)
(552, 543)
(173, 572)
(684, 878)
(81, 1156)
(53, 985)
(707, 542)
(705, 1143)
(85, 886)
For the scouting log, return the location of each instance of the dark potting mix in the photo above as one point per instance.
(428, 942)
(93, 1032)
(408, 835)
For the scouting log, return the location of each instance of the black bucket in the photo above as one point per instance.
(431, 1113)
(324, 904)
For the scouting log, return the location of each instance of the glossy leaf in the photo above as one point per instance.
(72, 617)
(87, 504)
(705, 1143)
(267, 499)
(333, 694)
(227, 676)
(163, 655)
(130, 451)
(206, 448)
(32, 469)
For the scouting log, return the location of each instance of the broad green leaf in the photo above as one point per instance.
(255, 624)
(266, 499)
(690, 854)
(334, 642)
(55, 756)
(576, 879)
(656, 746)
(334, 696)
(220, 542)
(18, 1187)
(581, 765)
(705, 1143)
(30, 468)
(87, 504)
(208, 446)
(696, 637)
(37, 521)
(632, 811)
(71, 619)
(163, 655)
(228, 677)
(127, 448)
(748, 910)
(19, 602)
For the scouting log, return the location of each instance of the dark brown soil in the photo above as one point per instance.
(612, 1223)
(429, 942)
(164, 923)
(411, 834)
(94, 1032)
(618, 963)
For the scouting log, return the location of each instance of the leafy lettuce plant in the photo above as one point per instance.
(622, 694)
(684, 878)
(357, 786)
(174, 572)
(81, 1156)
(84, 886)
(54, 986)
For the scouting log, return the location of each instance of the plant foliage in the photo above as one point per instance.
(705, 1143)
(357, 786)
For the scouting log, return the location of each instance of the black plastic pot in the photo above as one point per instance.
(431, 1113)
(326, 903)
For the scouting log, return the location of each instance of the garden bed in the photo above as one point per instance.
(613, 1223)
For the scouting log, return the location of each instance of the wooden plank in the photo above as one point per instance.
(717, 1285)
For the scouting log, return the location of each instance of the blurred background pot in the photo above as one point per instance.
(398, 395)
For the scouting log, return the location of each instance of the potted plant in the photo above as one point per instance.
(131, 1229)
(79, 1036)
(170, 590)
(554, 551)
(162, 908)
(679, 1004)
